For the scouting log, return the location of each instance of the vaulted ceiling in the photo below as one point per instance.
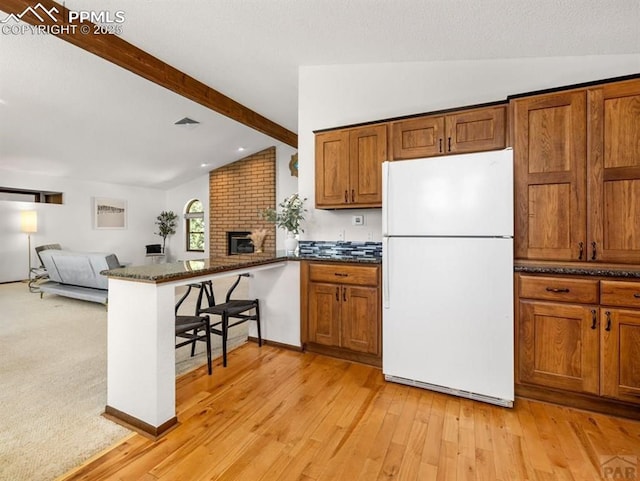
(64, 111)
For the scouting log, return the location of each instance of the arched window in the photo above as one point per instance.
(194, 216)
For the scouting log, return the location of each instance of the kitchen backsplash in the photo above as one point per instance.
(340, 250)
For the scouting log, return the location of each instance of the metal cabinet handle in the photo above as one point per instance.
(440, 145)
(353, 195)
(346, 196)
(344, 294)
(594, 319)
(581, 246)
(449, 147)
(341, 274)
(593, 255)
(608, 314)
(637, 296)
(557, 289)
(337, 294)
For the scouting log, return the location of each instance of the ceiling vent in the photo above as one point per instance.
(187, 123)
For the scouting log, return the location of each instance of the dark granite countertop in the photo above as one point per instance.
(172, 271)
(533, 267)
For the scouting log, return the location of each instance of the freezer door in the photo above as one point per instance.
(454, 195)
(448, 313)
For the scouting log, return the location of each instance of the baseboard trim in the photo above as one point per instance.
(130, 422)
(576, 400)
(368, 359)
(282, 345)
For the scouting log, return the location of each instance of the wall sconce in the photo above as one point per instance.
(29, 225)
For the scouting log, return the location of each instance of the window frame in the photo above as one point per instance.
(189, 217)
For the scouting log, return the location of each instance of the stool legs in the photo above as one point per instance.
(225, 336)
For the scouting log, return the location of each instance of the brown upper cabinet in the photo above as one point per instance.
(577, 174)
(472, 130)
(348, 167)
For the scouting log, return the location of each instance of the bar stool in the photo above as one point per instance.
(232, 312)
(193, 329)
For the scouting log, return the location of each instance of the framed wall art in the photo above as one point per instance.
(109, 213)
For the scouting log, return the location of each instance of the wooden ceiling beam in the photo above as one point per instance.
(120, 52)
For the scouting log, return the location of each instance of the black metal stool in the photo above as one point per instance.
(235, 310)
(193, 329)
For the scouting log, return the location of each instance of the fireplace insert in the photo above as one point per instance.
(239, 243)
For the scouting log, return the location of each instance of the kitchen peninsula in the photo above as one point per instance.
(141, 337)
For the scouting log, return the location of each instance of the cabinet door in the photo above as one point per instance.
(620, 368)
(420, 137)
(360, 319)
(476, 130)
(614, 172)
(324, 314)
(332, 168)
(368, 149)
(550, 176)
(558, 345)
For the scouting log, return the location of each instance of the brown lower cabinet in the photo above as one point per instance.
(578, 342)
(341, 315)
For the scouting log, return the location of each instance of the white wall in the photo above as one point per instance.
(337, 95)
(286, 184)
(71, 224)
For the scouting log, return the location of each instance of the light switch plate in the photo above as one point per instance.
(357, 220)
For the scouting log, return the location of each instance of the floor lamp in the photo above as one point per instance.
(29, 225)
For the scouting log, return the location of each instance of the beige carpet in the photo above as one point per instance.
(53, 381)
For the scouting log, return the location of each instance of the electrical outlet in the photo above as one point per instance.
(341, 235)
(369, 236)
(357, 220)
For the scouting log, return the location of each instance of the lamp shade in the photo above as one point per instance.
(29, 221)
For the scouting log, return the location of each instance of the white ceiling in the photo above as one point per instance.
(67, 112)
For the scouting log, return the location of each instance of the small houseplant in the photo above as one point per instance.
(166, 222)
(289, 217)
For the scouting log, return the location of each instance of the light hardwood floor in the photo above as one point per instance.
(274, 414)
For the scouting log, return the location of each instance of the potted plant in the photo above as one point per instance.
(166, 222)
(289, 217)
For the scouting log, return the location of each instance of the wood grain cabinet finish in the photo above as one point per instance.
(587, 342)
(620, 344)
(613, 168)
(583, 291)
(549, 166)
(473, 130)
(341, 313)
(559, 346)
(348, 167)
(577, 174)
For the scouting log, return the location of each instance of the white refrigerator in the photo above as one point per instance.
(448, 274)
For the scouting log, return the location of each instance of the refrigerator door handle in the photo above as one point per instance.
(385, 273)
(385, 196)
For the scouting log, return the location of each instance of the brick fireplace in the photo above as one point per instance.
(237, 192)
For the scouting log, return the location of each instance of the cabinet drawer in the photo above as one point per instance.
(620, 293)
(336, 273)
(583, 291)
